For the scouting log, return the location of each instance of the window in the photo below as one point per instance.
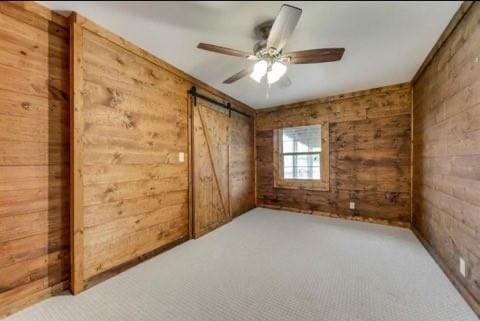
(301, 149)
(301, 157)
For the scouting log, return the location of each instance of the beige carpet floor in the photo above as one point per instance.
(274, 265)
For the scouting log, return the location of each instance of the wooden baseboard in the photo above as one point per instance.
(33, 299)
(474, 304)
(350, 218)
(125, 266)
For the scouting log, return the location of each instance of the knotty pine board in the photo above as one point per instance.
(135, 124)
(242, 168)
(369, 155)
(131, 122)
(133, 189)
(446, 154)
(34, 162)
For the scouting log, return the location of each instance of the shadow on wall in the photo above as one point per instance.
(58, 240)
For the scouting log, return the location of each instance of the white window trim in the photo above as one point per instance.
(322, 184)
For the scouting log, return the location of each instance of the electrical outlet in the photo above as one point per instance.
(462, 267)
(352, 205)
(181, 157)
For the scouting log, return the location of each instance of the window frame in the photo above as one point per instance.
(322, 184)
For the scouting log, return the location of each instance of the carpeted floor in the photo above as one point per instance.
(274, 265)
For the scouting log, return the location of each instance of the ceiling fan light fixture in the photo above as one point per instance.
(268, 51)
(259, 70)
(277, 71)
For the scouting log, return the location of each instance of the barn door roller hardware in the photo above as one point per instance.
(193, 92)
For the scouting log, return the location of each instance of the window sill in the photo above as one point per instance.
(303, 185)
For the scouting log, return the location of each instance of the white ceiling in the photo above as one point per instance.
(385, 42)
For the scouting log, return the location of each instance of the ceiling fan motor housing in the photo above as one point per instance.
(262, 31)
(260, 49)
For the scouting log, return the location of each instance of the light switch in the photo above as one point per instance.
(352, 205)
(181, 157)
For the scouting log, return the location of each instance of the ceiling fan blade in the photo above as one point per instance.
(225, 50)
(239, 75)
(283, 26)
(315, 55)
(284, 82)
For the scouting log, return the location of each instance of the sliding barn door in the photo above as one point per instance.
(211, 203)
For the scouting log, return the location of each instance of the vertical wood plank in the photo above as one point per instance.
(255, 158)
(76, 184)
(412, 122)
(190, 168)
(325, 156)
(277, 160)
(229, 153)
(241, 164)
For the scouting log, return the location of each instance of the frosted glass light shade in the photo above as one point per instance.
(278, 70)
(259, 70)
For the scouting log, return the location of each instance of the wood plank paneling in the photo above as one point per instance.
(369, 155)
(242, 168)
(133, 122)
(134, 119)
(129, 191)
(446, 152)
(211, 196)
(34, 162)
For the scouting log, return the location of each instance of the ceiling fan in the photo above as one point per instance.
(271, 61)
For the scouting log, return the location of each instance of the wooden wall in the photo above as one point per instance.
(446, 137)
(135, 190)
(242, 164)
(34, 162)
(369, 155)
(131, 121)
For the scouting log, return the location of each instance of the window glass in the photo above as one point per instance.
(302, 139)
(301, 148)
